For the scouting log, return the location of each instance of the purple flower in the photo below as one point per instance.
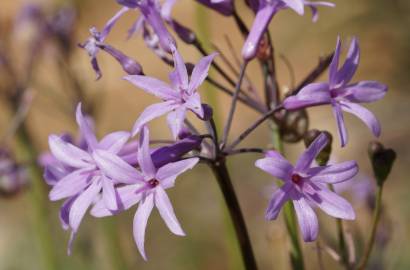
(306, 186)
(177, 98)
(265, 10)
(96, 43)
(148, 189)
(90, 171)
(13, 176)
(342, 95)
(151, 12)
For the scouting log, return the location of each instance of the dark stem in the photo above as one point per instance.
(249, 130)
(233, 104)
(222, 175)
(324, 63)
(243, 151)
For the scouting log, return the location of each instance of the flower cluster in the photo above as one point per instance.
(122, 169)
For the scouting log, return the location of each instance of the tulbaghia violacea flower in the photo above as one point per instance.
(148, 189)
(180, 96)
(305, 185)
(89, 172)
(265, 10)
(342, 95)
(96, 43)
(151, 12)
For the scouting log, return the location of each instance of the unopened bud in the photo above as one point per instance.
(208, 112)
(323, 158)
(129, 65)
(184, 33)
(382, 161)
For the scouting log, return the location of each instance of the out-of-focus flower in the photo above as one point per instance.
(265, 10)
(91, 171)
(96, 43)
(180, 96)
(340, 94)
(382, 161)
(306, 185)
(148, 189)
(13, 176)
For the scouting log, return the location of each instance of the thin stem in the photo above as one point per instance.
(250, 129)
(233, 104)
(344, 254)
(111, 232)
(222, 175)
(250, 102)
(376, 219)
(244, 151)
(324, 63)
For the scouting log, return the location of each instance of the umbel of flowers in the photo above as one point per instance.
(125, 169)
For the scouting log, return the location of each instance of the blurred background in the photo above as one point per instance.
(56, 74)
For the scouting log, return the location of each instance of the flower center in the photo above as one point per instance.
(296, 178)
(333, 93)
(153, 183)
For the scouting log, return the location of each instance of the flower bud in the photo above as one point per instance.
(293, 125)
(184, 33)
(129, 65)
(323, 158)
(208, 112)
(382, 161)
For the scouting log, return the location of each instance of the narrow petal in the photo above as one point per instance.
(86, 131)
(70, 185)
(168, 173)
(152, 112)
(140, 223)
(346, 73)
(180, 70)
(334, 174)
(110, 24)
(365, 92)
(166, 211)
(337, 112)
(332, 204)
(307, 219)
(365, 115)
(296, 5)
(153, 86)
(278, 167)
(279, 198)
(175, 120)
(194, 104)
(334, 65)
(67, 153)
(200, 72)
(313, 94)
(127, 197)
(114, 142)
(259, 26)
(144, 155)
(81, 204)
(166, 9)
(116, 168)
(65, 212)
(306, 159)
(109, 194)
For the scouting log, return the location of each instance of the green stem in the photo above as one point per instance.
(111, 232)
(37, 195)
(341, 239)
(296, 254)
(376, 219)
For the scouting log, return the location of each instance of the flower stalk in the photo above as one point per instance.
(224, 180)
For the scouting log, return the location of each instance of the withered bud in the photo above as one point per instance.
(323, 158)
(382, 161)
